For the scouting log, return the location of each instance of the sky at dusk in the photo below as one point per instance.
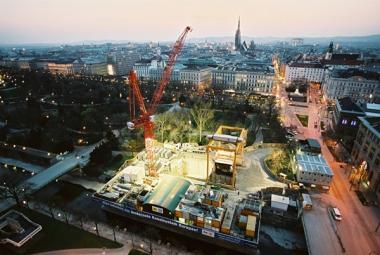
(70, 21)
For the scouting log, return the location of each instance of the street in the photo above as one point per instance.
(357, 228)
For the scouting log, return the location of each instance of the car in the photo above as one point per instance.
(335, 213)
(289, 137)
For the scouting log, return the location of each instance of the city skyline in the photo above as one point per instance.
(70, 22)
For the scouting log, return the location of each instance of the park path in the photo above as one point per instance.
(128, 239)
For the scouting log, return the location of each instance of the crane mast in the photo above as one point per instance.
(144, 120)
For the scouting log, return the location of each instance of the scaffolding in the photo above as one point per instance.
(226, 149)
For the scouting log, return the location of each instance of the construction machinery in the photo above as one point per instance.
(226, 149)
(145, 115)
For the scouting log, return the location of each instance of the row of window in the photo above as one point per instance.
(352, 123)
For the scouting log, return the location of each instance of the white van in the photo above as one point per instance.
(306, 203)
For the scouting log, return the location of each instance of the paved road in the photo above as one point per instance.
(252, 177)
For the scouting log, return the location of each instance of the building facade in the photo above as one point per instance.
(142, 68)
(313, 169)
(124, 61)
(90, 66)
(366, 149)
(345, 120)
(354, 83)
(239, 79)
(155, 74)
(311, 72)
(195, 75)
(64, 68)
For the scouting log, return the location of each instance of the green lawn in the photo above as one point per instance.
(279, 162)
(304, 119)
(56, 235)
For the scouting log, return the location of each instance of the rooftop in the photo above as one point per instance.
(350, 59)
(169, 192)
(313, 163)
(306, 65)
(16, 228)
(236, 68)
(372, 123)
(354, 72)
(348, 105)
(196, 68)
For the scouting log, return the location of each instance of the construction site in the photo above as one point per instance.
(185, 188)
(192, 191)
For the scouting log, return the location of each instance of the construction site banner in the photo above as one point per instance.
(206, 232)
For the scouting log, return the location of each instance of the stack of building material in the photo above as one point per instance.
(208, 222)
(227, 221)
(251, 206)
(251, 226)
(243, 221)
(134, 174)
(212, 197)
(200, 220)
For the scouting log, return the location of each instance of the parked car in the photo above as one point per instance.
(335, 213)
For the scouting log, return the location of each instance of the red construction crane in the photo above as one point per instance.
(144, 120)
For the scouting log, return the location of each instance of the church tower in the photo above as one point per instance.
(238, 37)
(329, 51)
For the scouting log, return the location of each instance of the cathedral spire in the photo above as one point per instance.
(238, 37)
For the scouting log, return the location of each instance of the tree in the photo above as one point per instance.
(151, 234)
(114, 225)
(134, 145)
(271, 105)
(10, 188)
(51, 208)
(202, 114)
(161, 124)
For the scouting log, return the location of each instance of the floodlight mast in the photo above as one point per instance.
(144, 120)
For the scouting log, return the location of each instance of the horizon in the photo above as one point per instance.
(48, 22)
(117, 41)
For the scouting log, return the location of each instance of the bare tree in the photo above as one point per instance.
(202, 115)
(96, 228)
(10, 188)
(161, 122)
(114, 225)
(66, 214)
(51, 208)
